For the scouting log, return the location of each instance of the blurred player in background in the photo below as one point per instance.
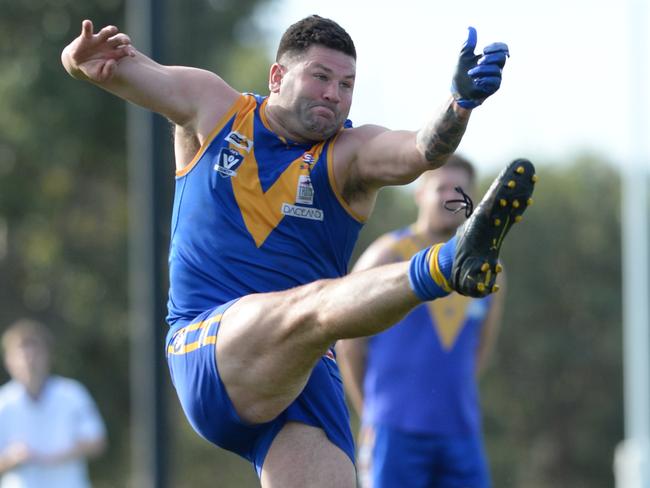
(49, 425)
(271, 193)
(414, 385)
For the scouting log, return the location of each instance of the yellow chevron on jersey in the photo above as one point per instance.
(449, 315)
(254, 212)
(262, 211)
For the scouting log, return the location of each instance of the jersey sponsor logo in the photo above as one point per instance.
(302, 212)
(240, 141)
(227, 162)
(305, 191)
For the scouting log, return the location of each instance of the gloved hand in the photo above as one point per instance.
(478, 76)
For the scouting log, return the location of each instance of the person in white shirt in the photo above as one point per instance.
(49, 425)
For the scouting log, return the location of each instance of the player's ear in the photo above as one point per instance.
(276, 74)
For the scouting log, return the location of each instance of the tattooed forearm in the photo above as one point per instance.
(440, 137)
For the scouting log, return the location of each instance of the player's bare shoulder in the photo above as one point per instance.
(211, 98)
(351, 141)
(349, 147)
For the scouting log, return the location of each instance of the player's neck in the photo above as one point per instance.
(279, 121)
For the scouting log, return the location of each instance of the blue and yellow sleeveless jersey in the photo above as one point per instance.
(253, 213)
(421, 373)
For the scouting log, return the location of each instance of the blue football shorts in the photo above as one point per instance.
(190, 349)
(390, 458)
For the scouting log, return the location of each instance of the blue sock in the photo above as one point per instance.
(430, 271)
(446, 257)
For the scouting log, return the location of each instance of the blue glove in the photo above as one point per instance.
(478, 76)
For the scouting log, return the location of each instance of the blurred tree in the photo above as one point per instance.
(553, 398)
(63, 213)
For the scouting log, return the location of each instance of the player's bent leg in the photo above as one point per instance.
(207, 405)
(301, 455)
(269, 343)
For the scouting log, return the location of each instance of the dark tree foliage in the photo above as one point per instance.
(553, 399)
(63, 197)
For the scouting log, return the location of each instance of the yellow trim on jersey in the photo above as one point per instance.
(405, 248)
(335, 189)
(203, 341)
(238, 105)
(263, 117)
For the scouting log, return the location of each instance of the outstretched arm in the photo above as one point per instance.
(382, 157)
(184, 95)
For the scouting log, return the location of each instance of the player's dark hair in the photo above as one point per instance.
(315, 30)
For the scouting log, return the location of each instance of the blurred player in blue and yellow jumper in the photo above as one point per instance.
(415, 384)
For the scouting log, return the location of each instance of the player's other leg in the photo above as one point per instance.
(302, 456)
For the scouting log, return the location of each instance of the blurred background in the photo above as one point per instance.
(553, 396)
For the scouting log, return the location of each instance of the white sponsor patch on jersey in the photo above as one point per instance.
(305, 191)
(302, 212)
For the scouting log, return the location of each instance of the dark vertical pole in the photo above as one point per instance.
(147, 248)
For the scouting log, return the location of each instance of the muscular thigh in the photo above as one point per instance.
(301, 456)
(265, 351)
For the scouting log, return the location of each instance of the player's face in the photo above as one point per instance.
(438, 187)
(317, 88)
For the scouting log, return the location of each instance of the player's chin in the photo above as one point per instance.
(324, 129)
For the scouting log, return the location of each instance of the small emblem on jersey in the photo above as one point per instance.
(240, 141)
(305, 192)
(308, 158)
(227, 162)
(302, 212)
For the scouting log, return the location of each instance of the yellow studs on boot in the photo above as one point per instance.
(495, 288)
(497, 222)
(485, 267)
(480, 287)
(529, 202)
(518, 218)
(534, 178)
(503, 202)
(511, 184)
(515, 203)
(520, 170)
